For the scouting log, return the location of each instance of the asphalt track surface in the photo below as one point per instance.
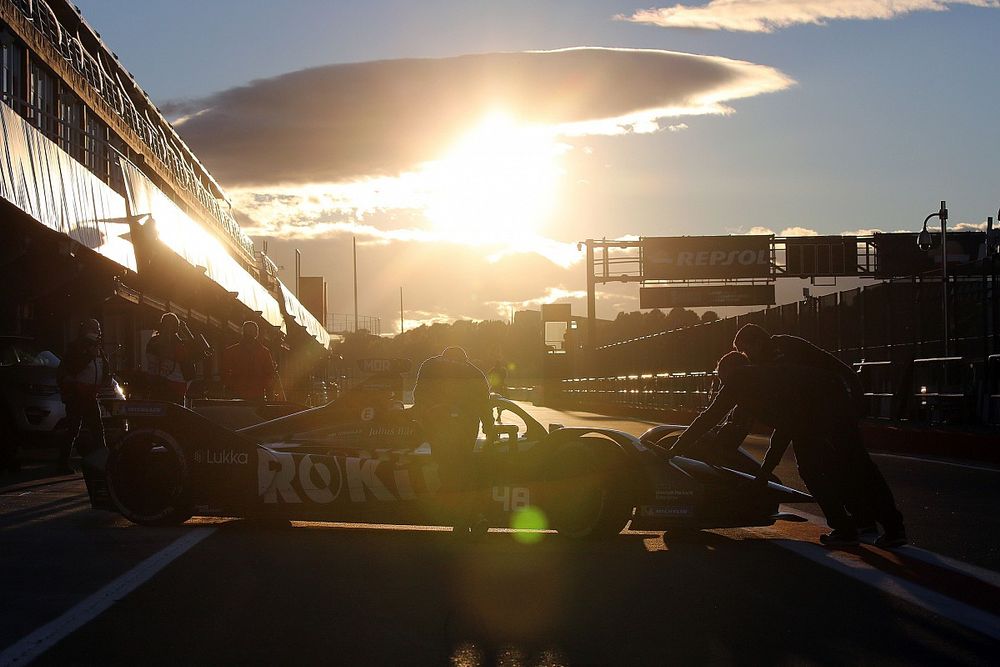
(85, 587)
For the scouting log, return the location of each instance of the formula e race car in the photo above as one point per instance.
(362, 458)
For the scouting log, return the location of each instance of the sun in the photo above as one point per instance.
(498, 184)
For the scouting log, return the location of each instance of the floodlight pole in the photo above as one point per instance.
(591, 296)
(354, 246)
(942, 214)
(298, 271)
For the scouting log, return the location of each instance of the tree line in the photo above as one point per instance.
(518, 345)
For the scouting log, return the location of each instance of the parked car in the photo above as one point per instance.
(31, 407)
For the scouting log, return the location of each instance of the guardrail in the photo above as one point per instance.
(944, 390)
(930, 391)
(682, 391)
(879, 382)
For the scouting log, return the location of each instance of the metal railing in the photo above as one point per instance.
(680, 391)
(340, 323)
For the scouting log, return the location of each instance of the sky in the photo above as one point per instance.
(468, 146)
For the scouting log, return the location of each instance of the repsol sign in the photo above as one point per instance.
(706, 257)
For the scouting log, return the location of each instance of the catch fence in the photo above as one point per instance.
(892, 332)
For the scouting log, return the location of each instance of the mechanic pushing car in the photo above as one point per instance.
(876, 502)
(83, 371)
(802, 405)
(451, 398)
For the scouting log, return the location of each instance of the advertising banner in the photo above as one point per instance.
(898, 254)
(706, 257)
(557, 312)
(706, 295)
(811, 256)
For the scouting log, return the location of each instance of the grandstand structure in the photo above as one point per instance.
(107, 213)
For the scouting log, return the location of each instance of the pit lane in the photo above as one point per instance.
(388, 594)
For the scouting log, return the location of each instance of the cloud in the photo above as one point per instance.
(323, 212)
(798, 231)
(346, 122)
(551, 295)
(770, 15)
(419, 318)
(862, 232)
(969, 227)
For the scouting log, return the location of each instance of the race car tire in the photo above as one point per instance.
(148, 479)
(585, 495)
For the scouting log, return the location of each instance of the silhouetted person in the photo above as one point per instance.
(248, 368)
(497, 377)
(169, 360)
(451, 398)
(803, 406)
(875, 499)
(84, 369)
(761, 347)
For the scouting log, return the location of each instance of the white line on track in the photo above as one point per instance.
(35, 644)
(967, 466)
(984, 575)
(937, 603)
(921, 596)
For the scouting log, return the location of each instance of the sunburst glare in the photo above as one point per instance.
(498, 184)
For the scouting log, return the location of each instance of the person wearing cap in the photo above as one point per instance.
(875, 501)
(84, 369)
(248, 368)
(451, 398)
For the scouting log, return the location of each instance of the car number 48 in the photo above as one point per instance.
(514, 498)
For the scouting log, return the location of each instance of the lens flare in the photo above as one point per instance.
(532, 520)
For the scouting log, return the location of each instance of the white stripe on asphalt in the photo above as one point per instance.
(967, 466)
(35, 644)
(988, 577)
(937, 603)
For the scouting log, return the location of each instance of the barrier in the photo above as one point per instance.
(992, 408)
(682, 391)
(944, 390)
(879, 382)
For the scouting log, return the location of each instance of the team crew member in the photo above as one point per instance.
(248, 367)
(497, 377)
(761, 348)
(83, 371)
(169, 360)
(876, 502)
(803, 406)
(451, 398)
